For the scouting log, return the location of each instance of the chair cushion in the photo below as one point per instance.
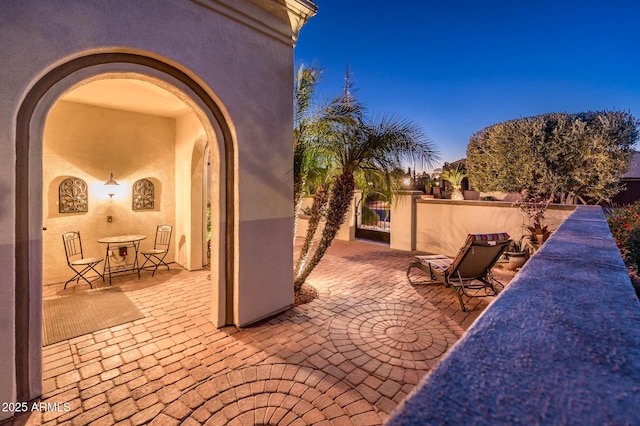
(438, 261)
(488, 237)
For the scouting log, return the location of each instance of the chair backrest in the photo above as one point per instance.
(163, 237)
(72, 245)
(478, 255)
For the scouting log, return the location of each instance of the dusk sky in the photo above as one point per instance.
(455, 67)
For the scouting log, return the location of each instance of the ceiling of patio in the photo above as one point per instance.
(128, 95)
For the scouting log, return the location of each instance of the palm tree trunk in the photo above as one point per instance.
(339, 202)
(320, 199)
(297, 204)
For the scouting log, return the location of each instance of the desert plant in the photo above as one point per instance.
(518, 246)
(534, 207)
(428, 185)
(455, 177)
(517, 253)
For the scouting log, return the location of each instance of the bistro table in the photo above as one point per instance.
(115, 262)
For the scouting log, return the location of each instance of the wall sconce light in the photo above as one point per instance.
(111, 181)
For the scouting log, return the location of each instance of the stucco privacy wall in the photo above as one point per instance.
(347, 231)
(441, 226)
(90, 142)
(234, 58)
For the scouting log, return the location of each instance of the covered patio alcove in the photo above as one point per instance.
(61, 137)
(129, 125)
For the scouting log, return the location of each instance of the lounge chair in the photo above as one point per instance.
(470, 270)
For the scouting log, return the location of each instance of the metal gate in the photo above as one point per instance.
(373, 220)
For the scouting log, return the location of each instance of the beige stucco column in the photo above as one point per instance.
(403, 220)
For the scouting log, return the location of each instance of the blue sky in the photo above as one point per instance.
(455, 67)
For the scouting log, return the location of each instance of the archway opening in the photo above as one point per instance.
(32, 188)
(134, 130)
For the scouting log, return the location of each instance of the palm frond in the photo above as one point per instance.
(305, 83)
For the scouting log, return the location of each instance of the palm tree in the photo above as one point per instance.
(304, 131)
(355, 144)
(312, 123)
(316, 214)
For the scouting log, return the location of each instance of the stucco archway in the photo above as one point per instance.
(29, 130)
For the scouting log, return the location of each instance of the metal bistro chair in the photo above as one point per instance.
(160, 249)
(75, 258)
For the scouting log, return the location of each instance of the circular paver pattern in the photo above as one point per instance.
(396, 334)
(281, 394)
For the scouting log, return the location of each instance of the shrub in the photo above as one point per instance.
(569, 157)
(633, 247)
(625, 225)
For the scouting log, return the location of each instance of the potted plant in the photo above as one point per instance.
(535, 209)
(428, 185)
(539, 233)
(517, 254)
(455, 177)
(425, 181)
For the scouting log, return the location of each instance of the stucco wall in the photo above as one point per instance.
(347, 231)
(441, 226)
(90, 142)
(190, 173)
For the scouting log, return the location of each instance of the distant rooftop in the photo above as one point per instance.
(634, 168)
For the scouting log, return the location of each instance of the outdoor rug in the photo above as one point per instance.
(73, 316)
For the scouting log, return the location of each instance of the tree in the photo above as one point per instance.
(313, 167)
(312, 123)
(306, 129)
(357, 143)
(567, 157)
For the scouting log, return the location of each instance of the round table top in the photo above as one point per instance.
(121, 239)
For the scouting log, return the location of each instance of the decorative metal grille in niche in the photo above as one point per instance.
(143, 195)
(72, 196)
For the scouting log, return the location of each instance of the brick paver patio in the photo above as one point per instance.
(348, 357)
